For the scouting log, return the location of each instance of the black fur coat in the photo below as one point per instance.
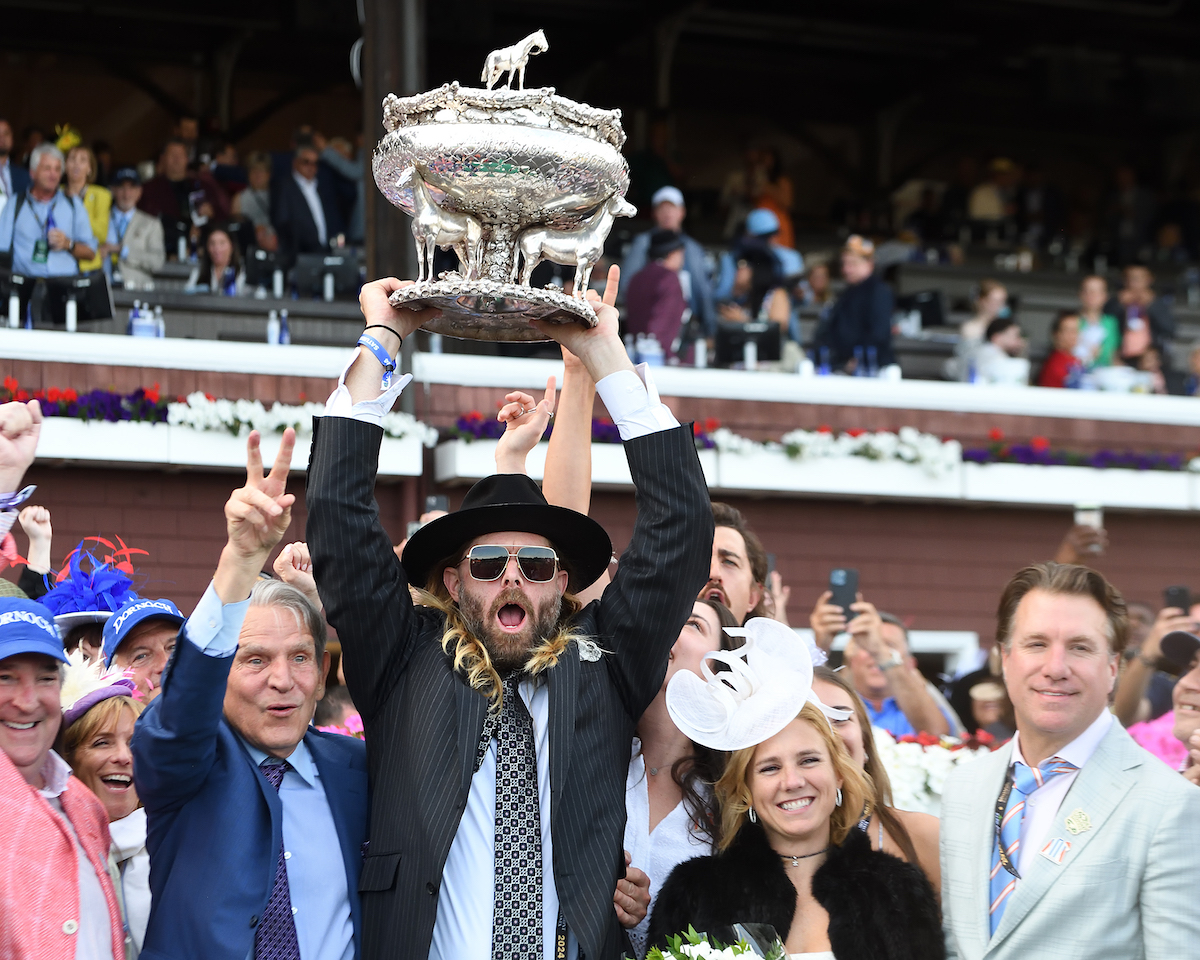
(880, 908)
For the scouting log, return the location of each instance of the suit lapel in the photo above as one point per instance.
(1098, 791)
(982, 839)
(471, 709)
(564, 691)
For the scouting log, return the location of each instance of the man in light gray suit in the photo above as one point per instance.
(134, 247)
(1071, 841)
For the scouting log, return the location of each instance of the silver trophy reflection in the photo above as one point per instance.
(506, 178)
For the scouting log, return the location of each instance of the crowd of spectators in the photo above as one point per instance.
(65, 211)
(182, 749)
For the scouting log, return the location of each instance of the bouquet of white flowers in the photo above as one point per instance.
(746, 939)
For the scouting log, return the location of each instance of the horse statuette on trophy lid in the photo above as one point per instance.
(506, 178)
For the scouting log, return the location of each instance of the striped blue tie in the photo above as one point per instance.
(1025, 781)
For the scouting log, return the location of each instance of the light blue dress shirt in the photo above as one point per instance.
(32, 225)
(311, 847)
(892, 719)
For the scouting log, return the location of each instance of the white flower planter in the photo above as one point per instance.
(1064, 486)
(773, 471)
(462, 461)
(160, 444)
(63, 438)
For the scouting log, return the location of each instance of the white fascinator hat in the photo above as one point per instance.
(759, 691)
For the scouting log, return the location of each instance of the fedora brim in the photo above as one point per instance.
(582, 544)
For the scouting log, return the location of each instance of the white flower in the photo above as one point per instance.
(241, 416)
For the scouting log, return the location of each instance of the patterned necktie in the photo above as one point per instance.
(1025, 780)
(517, 914)
(275, 935)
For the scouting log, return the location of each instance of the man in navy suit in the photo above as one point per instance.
(255, 821)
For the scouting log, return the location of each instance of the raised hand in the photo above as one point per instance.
(376, 308)
(35, 521)
(294, 566)
(827, 621)
(257, 514)
(524, 424)
(598, 348)
(20, 427)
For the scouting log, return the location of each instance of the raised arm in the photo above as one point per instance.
(667, 562)
(359, 578)
(567, 481)
(175, 741)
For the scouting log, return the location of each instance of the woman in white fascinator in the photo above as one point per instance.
(790, 799)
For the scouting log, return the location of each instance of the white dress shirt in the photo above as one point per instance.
(630, 398)
(313, 198)
(674, 839)
(463, 928)
(1041, 806)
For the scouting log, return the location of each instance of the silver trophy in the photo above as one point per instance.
(506, 178)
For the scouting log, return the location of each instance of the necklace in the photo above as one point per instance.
(797, 857)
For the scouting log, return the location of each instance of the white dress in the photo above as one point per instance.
(674, 840)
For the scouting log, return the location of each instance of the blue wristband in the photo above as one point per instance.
(384, 358)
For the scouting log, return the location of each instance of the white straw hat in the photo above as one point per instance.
(760, 692)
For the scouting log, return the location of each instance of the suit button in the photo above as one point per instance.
(70, 926)
(254, 921)
(431, 888)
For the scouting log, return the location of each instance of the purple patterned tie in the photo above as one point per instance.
(275, 936)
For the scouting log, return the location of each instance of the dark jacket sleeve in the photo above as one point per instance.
(360, 579)
(175, 740)
(34, 584)
(664, 568)
(883, 305)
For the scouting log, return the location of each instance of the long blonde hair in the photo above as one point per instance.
(735, 800)
(471, 657)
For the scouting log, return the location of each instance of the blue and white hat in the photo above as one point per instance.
(134, 612)
(28, 627)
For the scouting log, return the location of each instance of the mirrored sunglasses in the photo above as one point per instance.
(489, 561)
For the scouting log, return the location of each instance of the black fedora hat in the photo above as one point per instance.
(511, 501)
(1180, 648)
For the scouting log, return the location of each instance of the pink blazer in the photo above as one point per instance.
(39, 886)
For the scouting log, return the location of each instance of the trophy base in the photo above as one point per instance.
(489, 310)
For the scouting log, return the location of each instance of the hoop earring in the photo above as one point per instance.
(753, 816)
(866, 757)
(839, 797)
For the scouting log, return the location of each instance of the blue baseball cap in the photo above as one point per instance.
(762, 222)
(132, 613)
(28, 627)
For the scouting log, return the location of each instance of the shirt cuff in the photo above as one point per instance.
(369, 411)
(632, 401)
(213, 626)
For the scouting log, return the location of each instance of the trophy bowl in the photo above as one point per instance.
(506, 178)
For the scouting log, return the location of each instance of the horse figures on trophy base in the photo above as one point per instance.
(506, 178)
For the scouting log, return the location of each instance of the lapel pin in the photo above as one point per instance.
(1078, 822)
(589, 651)
(1056, 849)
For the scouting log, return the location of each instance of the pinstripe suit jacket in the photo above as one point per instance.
(423, 722)
(1126, 888)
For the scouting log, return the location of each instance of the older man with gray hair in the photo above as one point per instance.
(46, 231)
(244, 800)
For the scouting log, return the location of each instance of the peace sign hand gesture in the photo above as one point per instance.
(256, 517)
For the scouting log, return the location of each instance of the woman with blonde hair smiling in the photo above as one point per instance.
(99, 713)
(790, 799)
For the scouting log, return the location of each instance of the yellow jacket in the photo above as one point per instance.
(97, 201)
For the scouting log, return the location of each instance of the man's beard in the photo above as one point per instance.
(510, 650)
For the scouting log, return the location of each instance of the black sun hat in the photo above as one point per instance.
(511, 501)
